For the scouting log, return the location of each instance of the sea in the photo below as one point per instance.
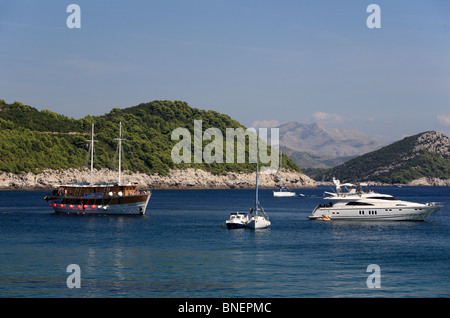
(181, 248)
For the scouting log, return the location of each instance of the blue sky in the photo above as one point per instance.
(259, 61)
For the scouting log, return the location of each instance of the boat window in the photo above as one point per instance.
(358, 203)
(384, 198)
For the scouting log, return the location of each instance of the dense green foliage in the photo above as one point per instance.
(395, 163)
(32, 140)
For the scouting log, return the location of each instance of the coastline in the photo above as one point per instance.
(180, 179)
(177, 179)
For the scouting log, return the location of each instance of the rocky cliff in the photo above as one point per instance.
(177, 179)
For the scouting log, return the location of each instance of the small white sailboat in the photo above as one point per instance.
(258, 218)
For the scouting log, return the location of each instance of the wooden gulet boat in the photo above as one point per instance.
(100, 198)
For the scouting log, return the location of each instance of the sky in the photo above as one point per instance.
(262, 62)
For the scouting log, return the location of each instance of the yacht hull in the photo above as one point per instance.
(376, 214)
(232, 226)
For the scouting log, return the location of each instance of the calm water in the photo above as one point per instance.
(182, 249)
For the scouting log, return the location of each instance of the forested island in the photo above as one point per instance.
(36, 142)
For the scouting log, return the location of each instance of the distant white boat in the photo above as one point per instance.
(284, 192)
(355, 204)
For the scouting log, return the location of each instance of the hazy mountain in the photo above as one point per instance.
(318, 140)
(307, 160)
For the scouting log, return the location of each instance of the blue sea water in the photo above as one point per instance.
(181, 248)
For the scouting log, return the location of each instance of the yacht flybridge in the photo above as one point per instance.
(100, 198)
(353, 203)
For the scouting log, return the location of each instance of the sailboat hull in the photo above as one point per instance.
(258, 222)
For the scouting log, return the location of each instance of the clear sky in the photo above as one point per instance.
(259, 61)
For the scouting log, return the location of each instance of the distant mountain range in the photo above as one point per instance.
(307, 160)
(425, 155)
(315, 146)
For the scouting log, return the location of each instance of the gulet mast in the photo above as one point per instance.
(120, 151)
(92, 155)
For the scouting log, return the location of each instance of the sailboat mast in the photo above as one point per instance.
(257, 171)
(92, 154)
(120, 151)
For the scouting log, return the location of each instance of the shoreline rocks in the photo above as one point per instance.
(180, 179)
(429, 182)
(177, 179)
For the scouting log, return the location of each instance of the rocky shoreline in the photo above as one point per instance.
(433, 182)
(177, 179)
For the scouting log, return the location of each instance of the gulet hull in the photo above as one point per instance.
(135, 205)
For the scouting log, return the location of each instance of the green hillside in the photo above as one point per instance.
(33, 140)
(423, 155)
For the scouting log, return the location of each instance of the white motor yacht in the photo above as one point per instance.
(356, 204)
(237, 220)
